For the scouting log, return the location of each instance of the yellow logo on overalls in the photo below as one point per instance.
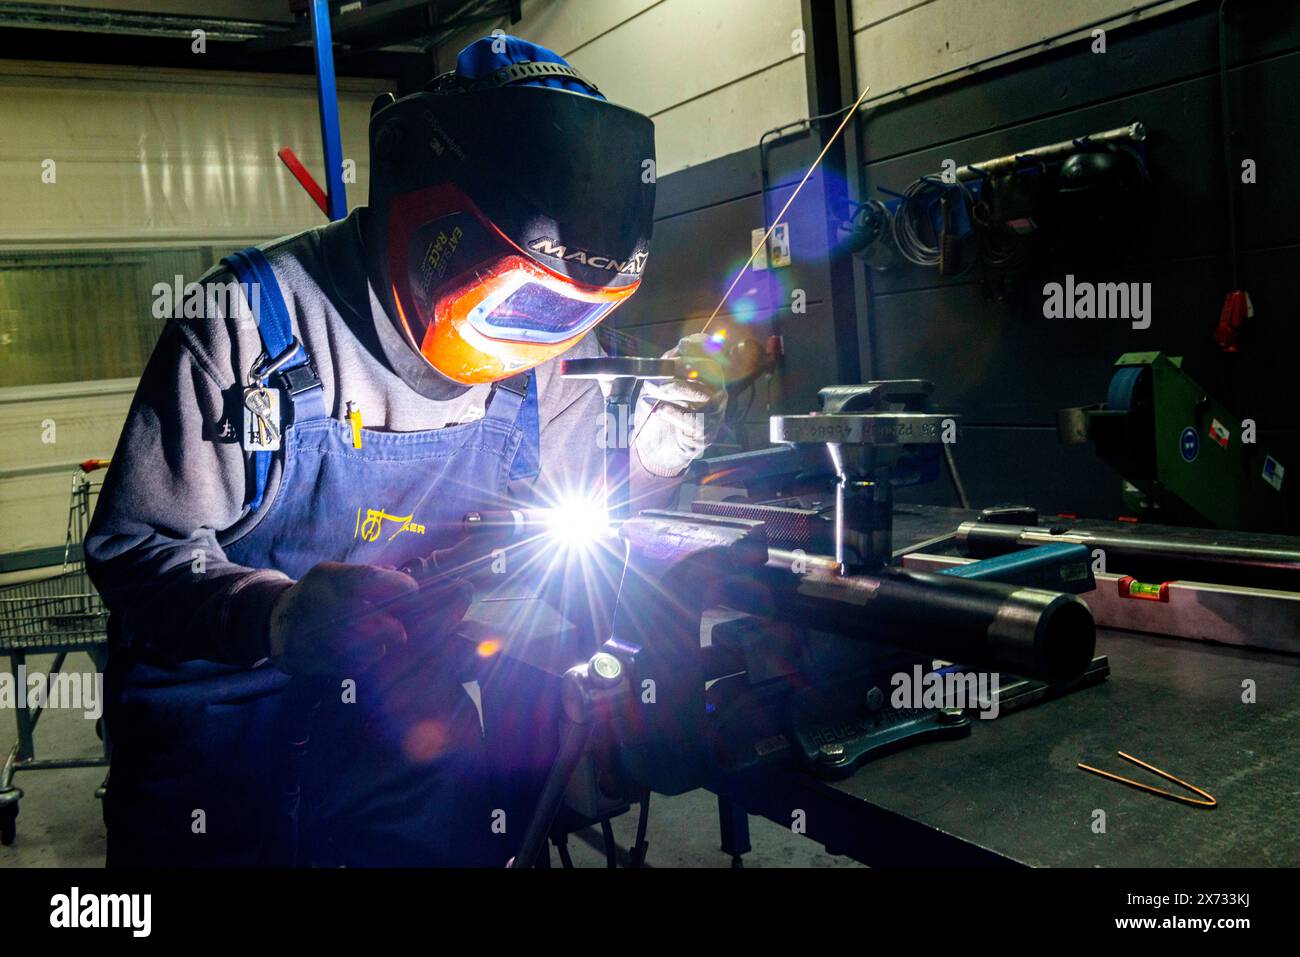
(373, 526)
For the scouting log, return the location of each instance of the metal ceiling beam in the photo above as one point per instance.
(40, 16)
(392, 22)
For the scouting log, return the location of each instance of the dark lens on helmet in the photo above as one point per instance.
(534, 313)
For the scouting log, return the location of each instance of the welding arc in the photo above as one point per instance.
(762, 244)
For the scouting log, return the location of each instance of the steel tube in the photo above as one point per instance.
(1026, 631)
(1133, 133)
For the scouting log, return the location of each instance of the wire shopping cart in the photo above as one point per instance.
(57, 614)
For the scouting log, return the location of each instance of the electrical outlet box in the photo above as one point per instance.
(779, 246)
(755, 246)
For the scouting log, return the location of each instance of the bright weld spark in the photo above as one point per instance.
(577, 521)
(762, 243)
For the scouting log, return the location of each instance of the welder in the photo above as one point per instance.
(391, 372)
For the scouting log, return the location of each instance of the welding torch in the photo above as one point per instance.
(484, 535)
(444, 578)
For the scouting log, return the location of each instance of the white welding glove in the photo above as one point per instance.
(678, 418)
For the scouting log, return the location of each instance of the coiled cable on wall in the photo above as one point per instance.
(914, 208)
(905, 228)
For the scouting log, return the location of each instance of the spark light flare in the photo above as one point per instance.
(577, 521)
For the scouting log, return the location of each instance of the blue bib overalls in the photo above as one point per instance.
(208, 767)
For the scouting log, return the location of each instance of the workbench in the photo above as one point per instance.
(1011, 794)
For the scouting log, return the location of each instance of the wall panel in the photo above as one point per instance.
(713, 75)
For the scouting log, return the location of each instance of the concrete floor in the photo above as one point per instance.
(683, 832)
(60, 823)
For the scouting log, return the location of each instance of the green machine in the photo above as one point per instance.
(1185, 458)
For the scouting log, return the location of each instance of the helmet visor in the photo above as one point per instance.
(523, 305)
(478, 307)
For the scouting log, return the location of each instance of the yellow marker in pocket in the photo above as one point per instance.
(354, 418)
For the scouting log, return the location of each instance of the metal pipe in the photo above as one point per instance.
(1134, 133)
(1145, 556)
(619, 424)
(327, 101)
(83, 18)
(792, 561)
(1026, 631)
(842, 480)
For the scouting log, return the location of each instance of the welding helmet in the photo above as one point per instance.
(1102, 188)
(511, 208)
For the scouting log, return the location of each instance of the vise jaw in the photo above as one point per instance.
(677, 566)
(877, 435)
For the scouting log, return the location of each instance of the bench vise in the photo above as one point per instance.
(739, 642)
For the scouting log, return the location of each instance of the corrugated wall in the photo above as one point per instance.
(1005, 367)
(902, 43)
(711, 75)
(162, 156)
(147, 170)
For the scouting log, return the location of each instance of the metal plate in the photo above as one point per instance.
(621, 367)
(874, 428)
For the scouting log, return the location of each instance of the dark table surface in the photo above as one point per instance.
(1013, 787)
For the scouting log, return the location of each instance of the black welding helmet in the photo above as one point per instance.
(511, 208)
(1102, 187)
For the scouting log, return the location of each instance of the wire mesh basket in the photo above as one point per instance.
(59, 613)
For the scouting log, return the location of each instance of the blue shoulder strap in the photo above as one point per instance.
(528, 457)
(282, 352)
(515, 400)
